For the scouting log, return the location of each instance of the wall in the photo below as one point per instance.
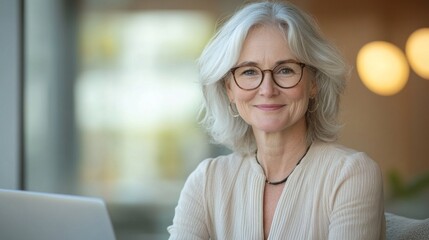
(392, 130)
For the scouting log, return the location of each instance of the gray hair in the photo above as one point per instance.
(305, 41)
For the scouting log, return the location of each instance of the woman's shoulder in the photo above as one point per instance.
(222, 163)
(339, 152)
(337, 164)
(339, 156)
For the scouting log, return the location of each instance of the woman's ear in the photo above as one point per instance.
(227, 85)
(314, 89)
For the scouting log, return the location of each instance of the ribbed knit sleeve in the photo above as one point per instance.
(356, 202)
(189, 221)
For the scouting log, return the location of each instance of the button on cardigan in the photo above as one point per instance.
(334, 193)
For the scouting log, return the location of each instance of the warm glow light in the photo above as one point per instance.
(417, 50)
(382, 67)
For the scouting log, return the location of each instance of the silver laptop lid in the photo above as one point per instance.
(41, 216)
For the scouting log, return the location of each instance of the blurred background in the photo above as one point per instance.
(111, 101)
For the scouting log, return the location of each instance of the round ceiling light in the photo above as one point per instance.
(417, 50)
(382, 67)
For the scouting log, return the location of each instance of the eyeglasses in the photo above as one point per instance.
(286, 74)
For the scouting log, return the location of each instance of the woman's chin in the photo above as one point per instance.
(269, 127)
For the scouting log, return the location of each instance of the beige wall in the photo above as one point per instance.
(393, 130)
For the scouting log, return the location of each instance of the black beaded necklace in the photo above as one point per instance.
(284, 180)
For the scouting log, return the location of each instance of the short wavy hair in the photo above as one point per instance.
(308, 45)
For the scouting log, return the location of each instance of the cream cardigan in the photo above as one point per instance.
(334, 193)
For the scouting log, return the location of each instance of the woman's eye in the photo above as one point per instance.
(286, 71)
(248, 72)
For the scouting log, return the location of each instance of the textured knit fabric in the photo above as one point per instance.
(334, 193)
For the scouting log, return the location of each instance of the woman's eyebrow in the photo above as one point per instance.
(251, 63)
(247, 63)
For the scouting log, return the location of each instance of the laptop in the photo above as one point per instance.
(42, 216)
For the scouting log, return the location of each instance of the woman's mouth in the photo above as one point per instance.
(269, 107)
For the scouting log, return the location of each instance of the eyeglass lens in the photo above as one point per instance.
(285, 75)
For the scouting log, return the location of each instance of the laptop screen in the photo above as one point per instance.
(41, 216)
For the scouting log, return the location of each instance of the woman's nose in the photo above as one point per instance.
(268, 87)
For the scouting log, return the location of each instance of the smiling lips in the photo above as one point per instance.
(269, 107)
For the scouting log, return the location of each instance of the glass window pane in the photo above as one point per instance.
(137, 100)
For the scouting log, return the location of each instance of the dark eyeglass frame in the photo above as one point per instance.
(302, 65)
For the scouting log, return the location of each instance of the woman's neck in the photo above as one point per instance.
(278, 153)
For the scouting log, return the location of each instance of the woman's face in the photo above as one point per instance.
(270, 108)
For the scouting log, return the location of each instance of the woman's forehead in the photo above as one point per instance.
(265, 44)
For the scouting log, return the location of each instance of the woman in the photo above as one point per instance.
(271, 84)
